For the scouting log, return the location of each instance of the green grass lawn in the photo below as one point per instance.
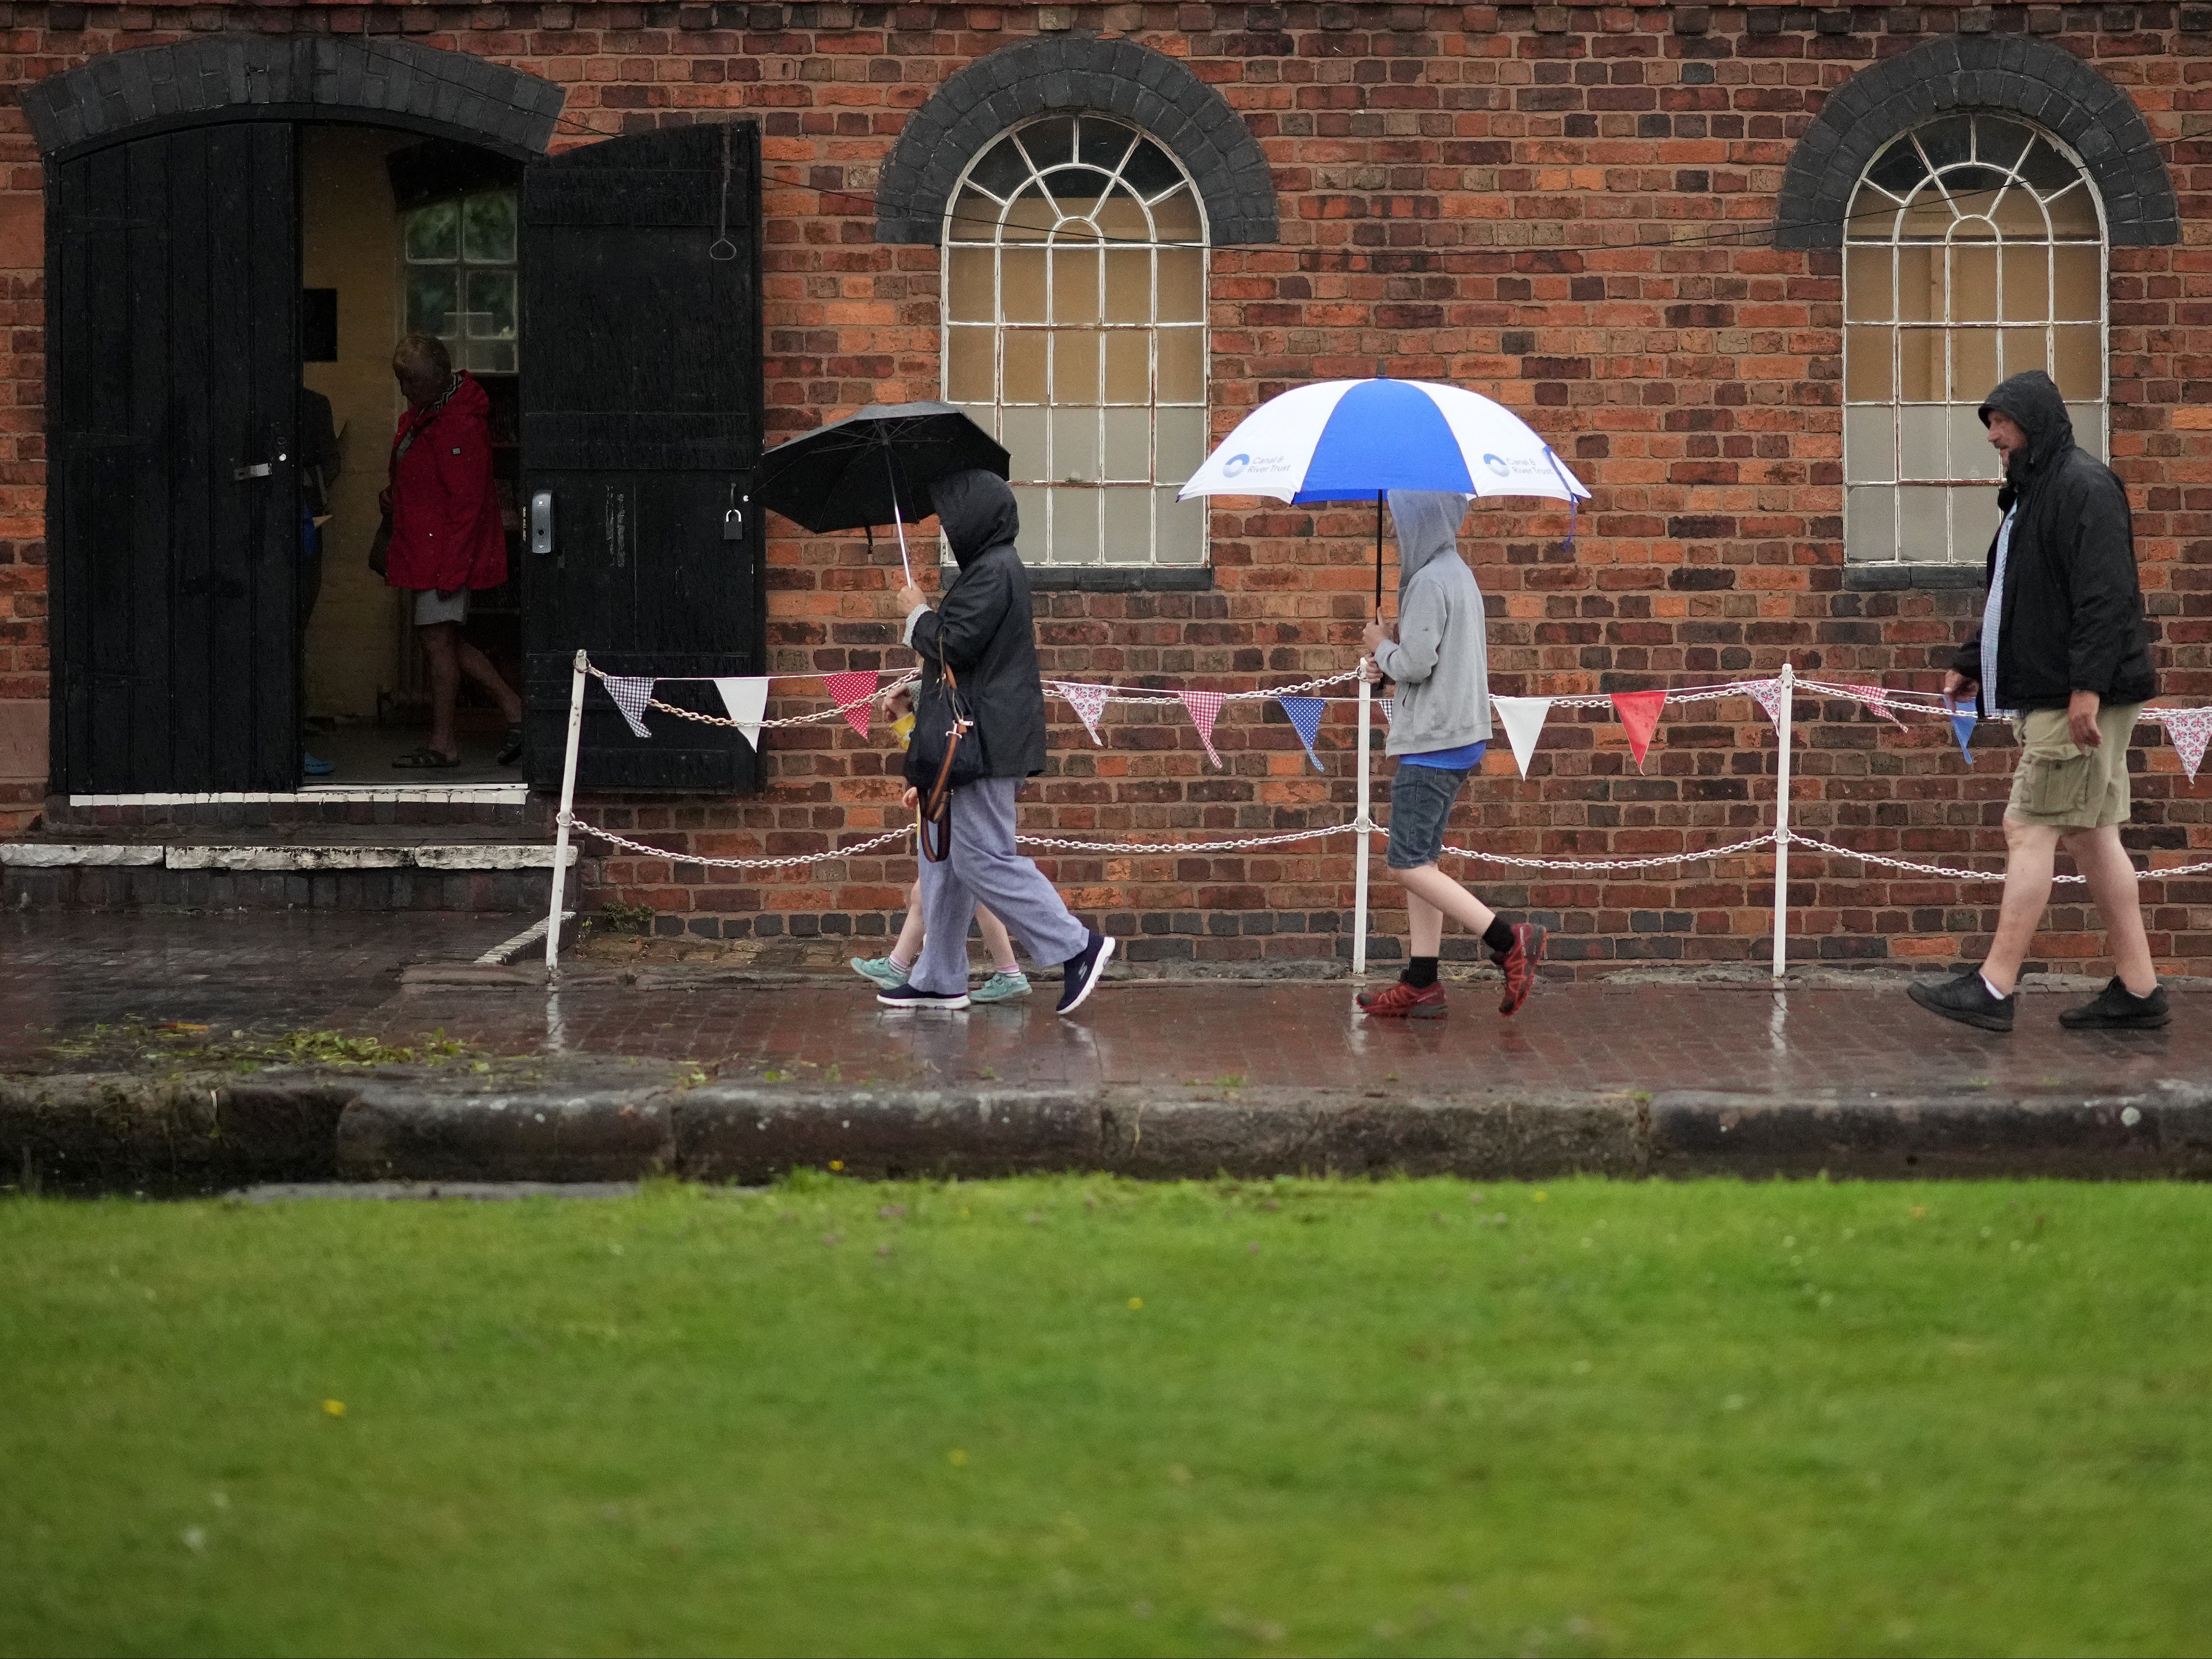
(1087, 1416)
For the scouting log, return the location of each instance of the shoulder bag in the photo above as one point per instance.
(946, 754)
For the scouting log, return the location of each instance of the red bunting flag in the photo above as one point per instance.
(854, 693)
(1204, 706)
(1878, 700)
(1638, 712)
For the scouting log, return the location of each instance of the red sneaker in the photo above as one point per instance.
(1519, 964)
(1402, 1001)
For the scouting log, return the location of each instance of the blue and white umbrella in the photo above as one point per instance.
(1342, 440)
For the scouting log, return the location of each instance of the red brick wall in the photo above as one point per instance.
(1444, 175)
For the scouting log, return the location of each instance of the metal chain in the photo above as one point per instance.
(581, 828)
(906, 679)
(2155, 873)
(1728, 851)
(1243, 844)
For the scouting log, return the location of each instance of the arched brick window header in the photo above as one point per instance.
(2013, 73)
(1076, 74)
(231, 77)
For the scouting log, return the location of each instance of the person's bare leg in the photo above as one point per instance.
(1430, 895)
(995, 941)
(478, 667)
(907, 950)
(2031, 850)
(439, 639)
(2104, 866)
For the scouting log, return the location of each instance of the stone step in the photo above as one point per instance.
(393, 874)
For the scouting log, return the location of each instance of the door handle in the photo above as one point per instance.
(258, 470)
(541, 523)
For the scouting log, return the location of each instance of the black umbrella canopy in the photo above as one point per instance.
(843, 476)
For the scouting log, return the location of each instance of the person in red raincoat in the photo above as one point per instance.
(447, 540)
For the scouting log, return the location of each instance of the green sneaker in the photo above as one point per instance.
(1001, 988)
(880, 971)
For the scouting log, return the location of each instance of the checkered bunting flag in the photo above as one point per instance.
(631, 693)
(1305, 720)
(853, 692)
(1386, 702)
(1204, 706)
(2188, 730)
(1876, 700)
(1089, 702)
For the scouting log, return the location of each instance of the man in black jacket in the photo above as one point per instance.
(2061, 651)
(982, 631)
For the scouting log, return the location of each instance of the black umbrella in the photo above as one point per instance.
(874, 467)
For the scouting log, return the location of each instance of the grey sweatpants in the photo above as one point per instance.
(983, 866)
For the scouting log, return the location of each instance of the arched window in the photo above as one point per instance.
(1075, 333)
(1974, 249)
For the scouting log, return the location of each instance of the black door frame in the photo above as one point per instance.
(119, 98)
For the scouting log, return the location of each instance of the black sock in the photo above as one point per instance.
(1420, 973)
(1498, 936)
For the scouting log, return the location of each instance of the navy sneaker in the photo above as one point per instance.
(1079, 977)
(905, 996)
(1965, 999)
(2118, 1009)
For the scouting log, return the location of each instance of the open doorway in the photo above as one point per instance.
(398, 236)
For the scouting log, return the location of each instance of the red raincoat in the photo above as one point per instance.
(446, 529)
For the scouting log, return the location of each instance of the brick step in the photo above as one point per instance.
(389, 873)
(493, 806)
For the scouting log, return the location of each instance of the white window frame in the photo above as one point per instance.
(1174, 535)
(468, 344)
(1885, 454)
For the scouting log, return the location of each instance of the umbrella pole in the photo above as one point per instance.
(1378, 556)
(890, 466)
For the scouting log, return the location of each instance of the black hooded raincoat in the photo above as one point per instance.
(2073, 614)
(982, 626)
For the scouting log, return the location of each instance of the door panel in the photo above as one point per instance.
(642, 415)
(173, 298)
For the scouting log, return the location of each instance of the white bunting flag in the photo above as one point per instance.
(1204, 706)
(746, 699)
(631, 693)
(1524, 718)
(1089, 702)
(2188, 730)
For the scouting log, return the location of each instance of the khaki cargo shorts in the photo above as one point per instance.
(2066, 786)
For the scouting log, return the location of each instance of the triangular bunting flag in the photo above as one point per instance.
(1962, 727)
(854, 693)
(2188, 730)
(1876, 699)
(1305, 720)
(1204, 706)
(631, 692)
(1768, 695)
(1639, 717)
(1089, 702)
(746, 699)
(1386, 702)
(1524, 719)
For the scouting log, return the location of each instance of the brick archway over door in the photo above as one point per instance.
(1074, 73)
(2007, 74)
(246, 77)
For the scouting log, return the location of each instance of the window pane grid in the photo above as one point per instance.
(460, 277)
(1074, 332)
(1974, 250)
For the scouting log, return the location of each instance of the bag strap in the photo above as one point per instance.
(936, 807)
(407, 438)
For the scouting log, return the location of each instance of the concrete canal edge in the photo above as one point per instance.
(119, 1132)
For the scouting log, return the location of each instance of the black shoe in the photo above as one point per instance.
(1079, 977)
(510, 748)
(1965, 999)
(905, 996)
(2118, 1009)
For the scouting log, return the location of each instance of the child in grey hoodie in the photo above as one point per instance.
(1439, 727)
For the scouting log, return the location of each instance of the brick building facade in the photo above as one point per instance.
(1622, 222)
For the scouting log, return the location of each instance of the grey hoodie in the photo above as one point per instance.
(1441, 658)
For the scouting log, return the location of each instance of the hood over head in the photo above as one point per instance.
(2032, 400)
(1427, 522)
(976, 511)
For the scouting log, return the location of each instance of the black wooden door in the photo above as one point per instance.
(641, 417)
(174, 513)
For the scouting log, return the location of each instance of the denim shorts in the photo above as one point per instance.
(1421, 799)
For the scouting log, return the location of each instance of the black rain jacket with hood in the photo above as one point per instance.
(2073, 613)
(982, 626)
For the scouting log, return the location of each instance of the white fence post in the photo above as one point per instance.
(561, 833)
(1359, 873)
(1781, 822)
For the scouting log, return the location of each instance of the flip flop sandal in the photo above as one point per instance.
(510, 748)
(426, 759)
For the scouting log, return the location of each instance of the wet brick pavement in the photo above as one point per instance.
(342, 973)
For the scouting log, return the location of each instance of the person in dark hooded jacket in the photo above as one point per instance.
(2062, 650)
(983, 630)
